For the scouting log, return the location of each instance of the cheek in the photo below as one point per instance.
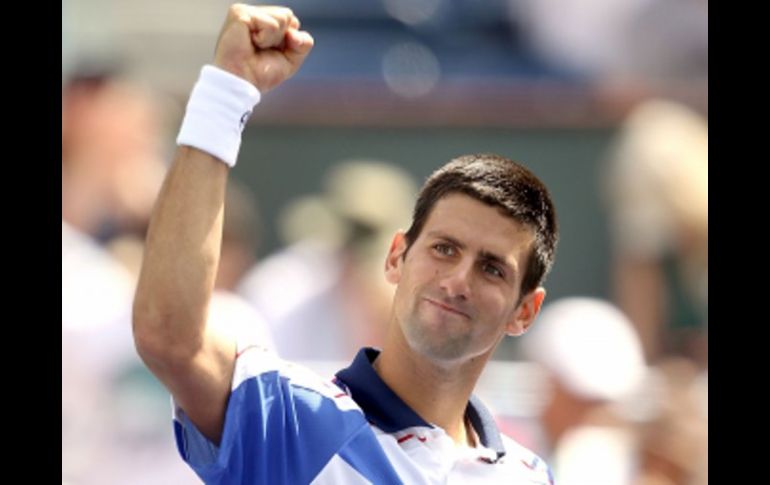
(498, 304)
(418, 273)
(405, 291)
(409, 292)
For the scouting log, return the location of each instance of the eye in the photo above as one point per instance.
(493, 270)
(444, 249)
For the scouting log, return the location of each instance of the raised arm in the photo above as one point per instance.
(263, 47)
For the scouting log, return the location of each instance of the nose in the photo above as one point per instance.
(456, 281)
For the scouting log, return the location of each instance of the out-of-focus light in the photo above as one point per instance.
(412, 12)
(410, 69)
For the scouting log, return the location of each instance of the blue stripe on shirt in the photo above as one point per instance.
(276, 432)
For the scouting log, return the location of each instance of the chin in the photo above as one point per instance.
(431, 342)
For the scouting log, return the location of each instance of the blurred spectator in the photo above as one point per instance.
(657, 183)
(593, 361)
(111, 171)
(324, 295)
(113, 412)
(112, 159)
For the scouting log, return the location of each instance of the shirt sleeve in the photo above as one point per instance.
(283, 424)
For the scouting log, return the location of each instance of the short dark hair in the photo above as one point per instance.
(502, 183)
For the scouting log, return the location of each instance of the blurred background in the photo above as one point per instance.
(606, 101)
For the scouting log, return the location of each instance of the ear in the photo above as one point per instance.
(394, 260)
(525, 313)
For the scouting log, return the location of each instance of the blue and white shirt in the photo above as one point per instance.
(286, 425)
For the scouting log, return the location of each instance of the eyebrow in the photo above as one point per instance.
(484, 254)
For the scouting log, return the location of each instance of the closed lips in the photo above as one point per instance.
(448, 308)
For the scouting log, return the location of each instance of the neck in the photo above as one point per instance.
(437, 391)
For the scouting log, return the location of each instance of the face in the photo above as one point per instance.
(457, 289)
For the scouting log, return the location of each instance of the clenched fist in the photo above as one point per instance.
(262, 44)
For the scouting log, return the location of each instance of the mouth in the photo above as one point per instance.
(447, 308)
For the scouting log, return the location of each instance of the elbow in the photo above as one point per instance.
(148, 338)
(159, 339)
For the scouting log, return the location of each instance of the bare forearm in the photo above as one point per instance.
(182, 254)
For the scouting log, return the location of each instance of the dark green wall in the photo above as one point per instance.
(279, 163)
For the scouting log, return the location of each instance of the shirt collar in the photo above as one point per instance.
(383, 408)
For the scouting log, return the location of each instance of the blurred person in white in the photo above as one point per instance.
(111, 171)
(593, 363)
(656, 180)
(113, 411)
(467, 273)
(338, 301)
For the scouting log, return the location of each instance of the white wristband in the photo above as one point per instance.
(218, 109)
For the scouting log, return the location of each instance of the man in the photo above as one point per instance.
(593, 364)
(656, 182)
(467, 273)
(112, 168)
